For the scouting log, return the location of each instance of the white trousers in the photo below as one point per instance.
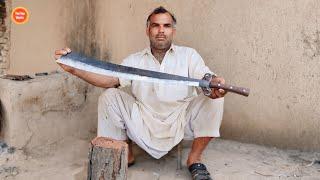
(203, 118)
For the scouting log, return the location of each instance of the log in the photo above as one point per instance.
(108, 159)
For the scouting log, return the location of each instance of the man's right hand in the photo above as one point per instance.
(92, 78)
(58, 54)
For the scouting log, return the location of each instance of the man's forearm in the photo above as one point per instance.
(96, 79)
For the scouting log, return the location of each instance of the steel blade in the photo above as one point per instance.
(82, 62)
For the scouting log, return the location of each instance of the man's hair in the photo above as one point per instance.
(161, 10)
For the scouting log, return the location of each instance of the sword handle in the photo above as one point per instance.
(238, 90)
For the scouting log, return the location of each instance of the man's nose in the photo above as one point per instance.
(161, 29)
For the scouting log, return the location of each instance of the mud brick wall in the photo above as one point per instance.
(4, 35)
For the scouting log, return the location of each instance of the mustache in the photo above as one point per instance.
(161, 36)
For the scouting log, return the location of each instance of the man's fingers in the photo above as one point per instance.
(221, 91)
(57, 52)
(57, 56)
(217, 93)
(61, 52)
(220, 80)
(67, 49)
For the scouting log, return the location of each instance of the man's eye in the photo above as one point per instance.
(154, 25)
(167, 25)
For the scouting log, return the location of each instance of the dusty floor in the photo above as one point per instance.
(225, 160)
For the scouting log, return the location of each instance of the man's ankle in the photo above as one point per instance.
(191, 160)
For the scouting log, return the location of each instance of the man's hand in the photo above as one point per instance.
(217, 93)
(92, 78)
(58, 54)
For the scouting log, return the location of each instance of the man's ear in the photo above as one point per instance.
(174, 31)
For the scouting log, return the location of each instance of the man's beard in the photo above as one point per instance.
(160, 45)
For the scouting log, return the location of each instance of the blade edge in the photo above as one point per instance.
(87, 67)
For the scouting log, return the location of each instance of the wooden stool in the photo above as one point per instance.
(108, 159)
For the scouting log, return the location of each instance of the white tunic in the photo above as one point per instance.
(160, 109)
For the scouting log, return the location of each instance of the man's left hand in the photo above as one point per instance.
(217, 93)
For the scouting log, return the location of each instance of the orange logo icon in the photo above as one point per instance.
(20, 15)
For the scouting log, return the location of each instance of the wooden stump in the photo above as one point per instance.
(108, 159)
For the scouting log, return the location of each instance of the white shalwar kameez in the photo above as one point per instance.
(158, 116)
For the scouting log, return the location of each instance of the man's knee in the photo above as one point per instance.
(203, 102)
(218, 103)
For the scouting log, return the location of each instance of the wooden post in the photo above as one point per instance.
(108, 159)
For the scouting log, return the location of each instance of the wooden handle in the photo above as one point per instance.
(231, 88)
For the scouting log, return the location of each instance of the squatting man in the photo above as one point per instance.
(158, 116)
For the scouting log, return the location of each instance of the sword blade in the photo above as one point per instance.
(82, 62)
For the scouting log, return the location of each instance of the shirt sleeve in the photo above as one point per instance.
(126, 82)
(197, 68)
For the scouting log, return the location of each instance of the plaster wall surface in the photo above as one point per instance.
(40, 112)
(33, 43)
(272, 47)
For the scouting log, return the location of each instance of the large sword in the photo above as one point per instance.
(82, 62)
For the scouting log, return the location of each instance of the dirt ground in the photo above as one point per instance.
(225, 159)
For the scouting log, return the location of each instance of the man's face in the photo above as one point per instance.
(160, 31)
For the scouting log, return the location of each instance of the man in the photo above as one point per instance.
(158, 116)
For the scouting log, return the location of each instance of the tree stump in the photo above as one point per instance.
(108, 159)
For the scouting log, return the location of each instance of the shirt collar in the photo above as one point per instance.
(147, 51)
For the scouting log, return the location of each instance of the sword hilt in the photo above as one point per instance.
(207, 90)
(230, 88)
